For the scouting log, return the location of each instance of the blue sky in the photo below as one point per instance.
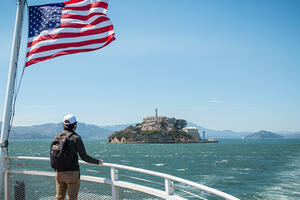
(220, 64)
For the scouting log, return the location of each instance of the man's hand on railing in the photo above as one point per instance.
(100, 162)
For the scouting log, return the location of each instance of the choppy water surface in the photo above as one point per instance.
(247, 169)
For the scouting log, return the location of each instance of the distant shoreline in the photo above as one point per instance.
(168, 142)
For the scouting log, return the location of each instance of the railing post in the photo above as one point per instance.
(114, 189)
(6, 180)
(169, 187)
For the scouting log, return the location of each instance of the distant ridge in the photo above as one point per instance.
(224, 134)
(47, 131)
(263, 135)
(117, 127)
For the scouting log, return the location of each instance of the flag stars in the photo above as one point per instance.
(43, 18)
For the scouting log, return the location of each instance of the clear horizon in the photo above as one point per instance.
(222, 65)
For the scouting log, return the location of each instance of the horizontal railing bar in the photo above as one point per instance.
(149, 172)
(53, 174)
(95, 179)
(28, 172)
(40, 159)
(148, 190)
(27, 158)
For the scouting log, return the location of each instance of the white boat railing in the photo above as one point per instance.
(167, 193)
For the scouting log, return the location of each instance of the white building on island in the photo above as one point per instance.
(193, 131)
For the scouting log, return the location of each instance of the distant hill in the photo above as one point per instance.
(224, 134)
(102, 132)
(292, 135)
(289, 134)
(263, 135)
(49, 130)
(117, 127)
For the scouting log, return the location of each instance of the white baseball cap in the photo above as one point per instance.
(69, 119)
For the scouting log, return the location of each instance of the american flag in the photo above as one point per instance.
(65, 28)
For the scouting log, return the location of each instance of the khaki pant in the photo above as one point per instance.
(67, 181)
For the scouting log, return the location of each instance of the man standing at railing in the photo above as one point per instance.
(64, 152)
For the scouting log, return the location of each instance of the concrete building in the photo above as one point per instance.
(193, 131)
(155, 119)
(156, 123)
(153, 123)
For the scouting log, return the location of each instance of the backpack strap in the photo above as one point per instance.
(67, 133)
(59, 135)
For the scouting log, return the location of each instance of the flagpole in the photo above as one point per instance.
(6, 126)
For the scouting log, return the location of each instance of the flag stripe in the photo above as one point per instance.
(77, 3)
(54, 51)
(87, 21)
(65, 45)
(69, 30)
(80, 17)
(89, 6)
(33, 49)
(48, 38)
(84, 25)
(73, 2)
(84, 12)
(33, 61)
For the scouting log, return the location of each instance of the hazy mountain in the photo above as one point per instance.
(263, 135)
(49, 130)
(293, 135)
(117, 127)
(209, 133)
(290, 134)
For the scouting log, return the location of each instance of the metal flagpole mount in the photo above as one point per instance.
(7, 112)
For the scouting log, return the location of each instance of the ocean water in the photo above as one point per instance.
(247, 169)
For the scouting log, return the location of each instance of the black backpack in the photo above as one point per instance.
(61, 157)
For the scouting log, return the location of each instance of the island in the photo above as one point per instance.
(158, 129)
(263, 135)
